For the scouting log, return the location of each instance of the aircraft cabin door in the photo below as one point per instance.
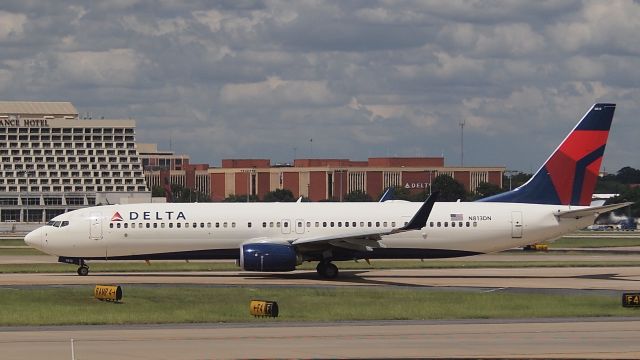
(95, 229)
(286, 226)
(299, 226)
(516, 224)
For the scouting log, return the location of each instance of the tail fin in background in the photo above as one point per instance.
(569, 176)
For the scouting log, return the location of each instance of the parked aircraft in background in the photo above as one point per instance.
(280, 236)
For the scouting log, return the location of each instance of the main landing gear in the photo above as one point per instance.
(327, 270)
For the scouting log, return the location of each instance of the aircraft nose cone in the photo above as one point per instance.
(34, 238)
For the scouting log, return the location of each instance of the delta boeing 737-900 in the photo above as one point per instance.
(279, 236)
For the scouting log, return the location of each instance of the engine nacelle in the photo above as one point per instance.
(268, 257)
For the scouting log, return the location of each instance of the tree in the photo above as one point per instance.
(181, 194)
(279, 195)
(513, 180)
(485, 189)
(628, 175)
(450, 189)
(240, 198)
(357, 196)
(632, 195)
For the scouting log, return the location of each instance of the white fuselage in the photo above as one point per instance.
(119, 231)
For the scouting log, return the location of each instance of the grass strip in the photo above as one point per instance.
(120, 267)
(569, 242)
(147, 305)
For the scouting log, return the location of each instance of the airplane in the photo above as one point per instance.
(274, 237)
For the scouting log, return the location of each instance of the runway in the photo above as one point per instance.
(590, 338)
(601, 338)
(587, 278)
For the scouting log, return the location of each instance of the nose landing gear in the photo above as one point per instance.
(83, 270)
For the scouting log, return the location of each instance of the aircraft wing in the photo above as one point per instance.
(417, 222)
(590, 211)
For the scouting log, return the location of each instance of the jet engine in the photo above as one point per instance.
(268, 257)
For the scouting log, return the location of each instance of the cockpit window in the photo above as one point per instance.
(64, 223)
(50, 223)
(56, 223)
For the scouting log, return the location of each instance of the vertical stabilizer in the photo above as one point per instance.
(569, 176)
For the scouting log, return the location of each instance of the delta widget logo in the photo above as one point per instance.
(116, 217)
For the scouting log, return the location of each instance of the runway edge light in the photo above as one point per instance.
(108, 292)
(631, 299)
(263, 308)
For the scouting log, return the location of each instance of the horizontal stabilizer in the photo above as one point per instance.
(591, 211)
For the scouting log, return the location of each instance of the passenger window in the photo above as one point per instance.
(118, 225)
(170, 225)
(195, 225)
(369, 224)
(331, 224)
(178, 225)
(377, 223)
(264, 224)
(475, 224)
(384, 224)
(271, 224)
(155, 225)
(133, 225)
(324, 224)
(249, 224)
(354, 224)
(468, 224)
(339, 223)
(453, 224)
(308, 224)
(224, 224)
(439, 224)
(233, 224)
(217, 225)
(406, 223)
(148, 225)
(278, 224)
(317, 224)
(393, 224)
(111, 225)
(209, 225)
(285, 224)
(201, 225)
(460, 224)
(361, 223)
(446, 224)
(162, 225)
(186, 225)
(346, 224)
(431, 224)
(126, 225)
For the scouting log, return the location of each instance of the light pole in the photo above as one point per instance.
(510, 173)
(249, 173)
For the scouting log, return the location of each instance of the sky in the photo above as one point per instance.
(335, 79)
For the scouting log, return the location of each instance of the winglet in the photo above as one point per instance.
(388, 194)
(419, 220)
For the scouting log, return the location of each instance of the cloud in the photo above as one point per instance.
(375, 78)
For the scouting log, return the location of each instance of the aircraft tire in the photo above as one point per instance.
(327, 270)
(83, 270)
